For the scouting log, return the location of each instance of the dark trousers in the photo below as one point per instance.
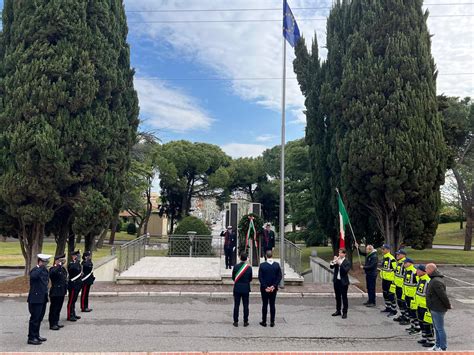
(388, 296)
(37, 311)
(400, 302)
(245, 301)
(370, 281)
(71, 303)
(228, 257)
(341, 296)
(268, 297)
(55, 309)
(85, 296)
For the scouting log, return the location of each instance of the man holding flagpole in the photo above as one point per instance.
(291, 33)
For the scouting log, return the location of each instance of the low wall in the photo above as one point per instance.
(105, 270)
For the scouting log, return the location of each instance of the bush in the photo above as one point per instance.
(194, 224)
(449, 214)
(131, 228)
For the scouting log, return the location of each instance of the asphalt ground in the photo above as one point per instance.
(205, 324)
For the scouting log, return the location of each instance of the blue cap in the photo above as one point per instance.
(386, 246)
(401, 251)
(408, 260)
(421, 267)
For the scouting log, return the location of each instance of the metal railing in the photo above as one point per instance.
(131, 252)
(191, 246)
(292, 254)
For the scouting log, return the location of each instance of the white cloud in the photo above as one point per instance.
(167, 108)
(239, 150)
(265, 138)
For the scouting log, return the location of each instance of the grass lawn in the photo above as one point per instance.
(10, 252)
(449, 234)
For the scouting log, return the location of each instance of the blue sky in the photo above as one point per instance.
(192, 77)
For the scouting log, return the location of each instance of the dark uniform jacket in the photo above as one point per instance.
(87, 267)
(268, 239)
(58, 276)
(74, 269)
(269, 274)
(229, 239)
(243, 283)
(436, 296)
(344, 269)
(371, 262)
(38, 285)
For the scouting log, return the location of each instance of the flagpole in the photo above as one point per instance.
(282, 168)
(350, 226)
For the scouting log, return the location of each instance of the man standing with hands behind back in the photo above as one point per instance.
(370, 268)
(269, 275)
(341, 268)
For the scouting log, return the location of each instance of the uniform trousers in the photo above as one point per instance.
(37, 311)
(268, 298)
(55, 309)
(245, 302)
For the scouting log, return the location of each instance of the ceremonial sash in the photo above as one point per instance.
(241, 271)
(85, 278)
(76, 277)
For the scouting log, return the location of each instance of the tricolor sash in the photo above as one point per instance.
(241, 271)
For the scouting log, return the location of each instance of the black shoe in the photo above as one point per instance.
(72, 319)
(77, 317)
(428, 345)
(263, 324)
(60, 325)
(366, 303)
(397, 319)
(246, 324)
(422, 341)
(272, 324)
(86, 310)
(404, 322)
(344, 316)
(54, 327)
(414, 331)
(337, 313)
(391, 314)
(235, 324)
(370, 305)
(34, 342)
(41, 339)
(386, 310)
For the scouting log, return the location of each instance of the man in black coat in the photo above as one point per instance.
(268, 239)
(341, 268)
(58, 276)
(74, 285)
(269, 275)
(37, 299)
(242, 276)
(370, 268)
(229, 246)
(87, 281)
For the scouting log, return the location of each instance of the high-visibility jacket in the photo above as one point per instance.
(399, 272)
(421, 290)
(410, 282)
(388, 267)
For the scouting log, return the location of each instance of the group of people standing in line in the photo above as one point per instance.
(413, 295)
(78, 278)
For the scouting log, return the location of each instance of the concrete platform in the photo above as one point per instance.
(184, 270)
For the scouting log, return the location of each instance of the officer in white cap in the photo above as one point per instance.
(37, 298)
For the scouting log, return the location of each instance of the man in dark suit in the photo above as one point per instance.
(58, 276)
(268, 239)
(242, 276)
(341, 268)
(87, 280)
(74, 285)
(269, 275)
(37, 299)
(370, 268)
(229, 246)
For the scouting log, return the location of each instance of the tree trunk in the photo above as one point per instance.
(171, 224)
(78, 239)
(89, 242)
(140, 225)
(468, 231)
(62, 236)
(113, 229)
(71, 243)
(149, 207)
(32, 243)
(100, 241)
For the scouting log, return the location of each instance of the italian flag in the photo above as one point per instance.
(251, 232)
(343, 222)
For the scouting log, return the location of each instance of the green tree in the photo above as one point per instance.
(458, 126)
(246, 174)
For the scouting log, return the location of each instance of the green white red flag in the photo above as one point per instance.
(343, 222)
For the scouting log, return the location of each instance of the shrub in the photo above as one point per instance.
(194, 224)
(131, 228)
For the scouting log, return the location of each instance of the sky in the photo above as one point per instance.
(214, 76)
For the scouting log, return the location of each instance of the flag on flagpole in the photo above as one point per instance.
(343, 222)
(290, 28)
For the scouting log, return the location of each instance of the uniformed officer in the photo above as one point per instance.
(423, 314)
(37, 298)
(387, 274)
(229, 246)
(74, 285)
(409, 290)
(58, 276)
(400, 255)
(87, 280)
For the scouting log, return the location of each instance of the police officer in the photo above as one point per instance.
(423, 314)
(229, 246)
(74, 285)
(400, 255)
(87, 281)
(58, 276)
(409, 290)
(387, 274)
(37, 298)
(268, 239)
